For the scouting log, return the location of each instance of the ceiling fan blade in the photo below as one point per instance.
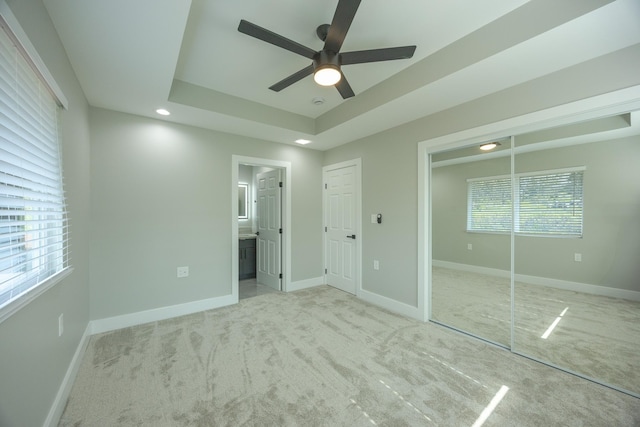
(345, 12)
(344, 88)
(286, 82)
(377, 55)
(263, 34)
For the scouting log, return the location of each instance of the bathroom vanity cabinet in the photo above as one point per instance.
(247, 259)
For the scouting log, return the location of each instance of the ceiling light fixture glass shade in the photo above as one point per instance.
(328, 75)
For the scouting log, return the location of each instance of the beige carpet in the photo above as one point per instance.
(320, 357)
(596, 336)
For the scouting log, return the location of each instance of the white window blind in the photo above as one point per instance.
(489, 205)
(33, 220)
(550, 204)
(546, 203)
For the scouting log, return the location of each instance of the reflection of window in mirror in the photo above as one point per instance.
(243, 206)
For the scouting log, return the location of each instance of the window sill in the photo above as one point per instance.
(523, 234)
(15, 306)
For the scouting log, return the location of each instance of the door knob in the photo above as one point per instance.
(353, 236)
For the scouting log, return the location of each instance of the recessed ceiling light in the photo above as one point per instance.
(163, 112)
(302, 141)
(318, 100)
(489, 146)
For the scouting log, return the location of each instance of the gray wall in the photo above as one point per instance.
(389, 179)
(609, 247)
(34, 359)
(152, 212)
(449, 217)
(161, 198)
(389, 160)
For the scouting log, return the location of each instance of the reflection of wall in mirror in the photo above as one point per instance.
(609, 247)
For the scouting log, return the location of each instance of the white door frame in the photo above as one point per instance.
(358, 173)
(236, 161)
(609, 104)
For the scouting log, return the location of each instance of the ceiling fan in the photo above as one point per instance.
(327, 63)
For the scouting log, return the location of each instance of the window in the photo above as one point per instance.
(33, 221)
(546, 203)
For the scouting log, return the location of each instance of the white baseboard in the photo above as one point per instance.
(133, 319)
(544, 281)
(471, 268)
(60, 401)
(579, 287)
(305, 284)
(391, 304)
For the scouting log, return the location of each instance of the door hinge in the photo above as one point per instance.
(280, 276)
(280, 184)
(280, 231)
(325, 229)
(325, 271)
(325, 186)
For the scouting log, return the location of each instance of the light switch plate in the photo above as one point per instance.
(60, 324)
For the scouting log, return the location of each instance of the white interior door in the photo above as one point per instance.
(269, 241)
(340, 219)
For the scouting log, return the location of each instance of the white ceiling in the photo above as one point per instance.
(187, 56)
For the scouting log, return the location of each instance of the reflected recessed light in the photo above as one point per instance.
(302, 141)
(489, 146)
(162, 112)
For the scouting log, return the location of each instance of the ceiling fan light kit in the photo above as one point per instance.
(327, 75)
(326, 65)
(327, 68)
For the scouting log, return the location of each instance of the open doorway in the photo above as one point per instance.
(260, 226)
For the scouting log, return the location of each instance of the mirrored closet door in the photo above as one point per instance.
(471, 260)
(577, 249)
(536, 246)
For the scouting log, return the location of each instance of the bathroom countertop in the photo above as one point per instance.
(246, 236)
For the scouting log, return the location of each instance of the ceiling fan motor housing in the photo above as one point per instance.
(327, 62)
(325, 58)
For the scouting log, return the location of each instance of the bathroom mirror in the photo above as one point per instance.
(243, 201)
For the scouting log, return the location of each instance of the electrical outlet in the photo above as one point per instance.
(183, 272)
(376, 264)
(577, 257)
(469, 246)
(60, 324)
(374, 218)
